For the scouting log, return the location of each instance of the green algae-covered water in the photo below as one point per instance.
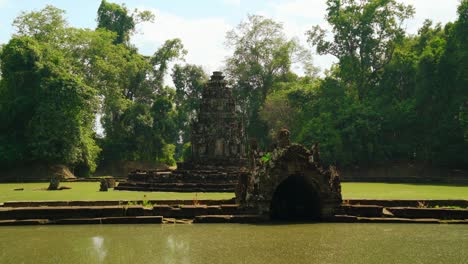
(235, 243)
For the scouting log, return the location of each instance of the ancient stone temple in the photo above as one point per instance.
(217, 133)
(290, 184)
(218, 149)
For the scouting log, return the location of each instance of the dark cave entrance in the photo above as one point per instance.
(295, 199)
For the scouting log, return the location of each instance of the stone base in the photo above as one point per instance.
(201, 179)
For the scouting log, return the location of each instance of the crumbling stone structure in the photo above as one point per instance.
(291, 185)
(217, 133)
(218, 149)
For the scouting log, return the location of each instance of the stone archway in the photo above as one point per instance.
(295, 198)
(290, 186)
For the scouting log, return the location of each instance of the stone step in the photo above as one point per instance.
(362, 210)
(96, 212)
(355, 219)
(62, 212)
(86, 221)
(14, 222)
(112, 220)
(437, 213)
(230, 219)
(113, 203)
(408, 203)
(172, 189)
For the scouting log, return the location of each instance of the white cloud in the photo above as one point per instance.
(232, 2)
(435, 10)
(299, 16)
(202, 37)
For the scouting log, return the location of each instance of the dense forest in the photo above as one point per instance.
(390, 96)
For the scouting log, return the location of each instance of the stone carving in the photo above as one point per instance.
(289, 184)
(218, 149)
(315, 152)
(103, 186)
(54, 183)
(217, 132)
(283, 138)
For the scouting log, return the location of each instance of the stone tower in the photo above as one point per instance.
(217, 133)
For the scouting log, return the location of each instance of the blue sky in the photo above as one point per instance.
(202, 24)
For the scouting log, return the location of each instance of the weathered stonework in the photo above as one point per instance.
(218, 149)
(217, 133)
(290, 185)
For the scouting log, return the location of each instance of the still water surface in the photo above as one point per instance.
(235, 243)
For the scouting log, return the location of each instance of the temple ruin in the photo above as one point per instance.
(217, 133)
(287, 183)
(290, 184)
(218, 149)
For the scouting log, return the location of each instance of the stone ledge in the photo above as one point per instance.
(24, 222)
(437, 213)
(15, 204)
(230, 219)
(362, 210)
(355, 219)
(407, 203)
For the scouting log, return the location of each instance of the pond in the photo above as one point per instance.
(236, 243)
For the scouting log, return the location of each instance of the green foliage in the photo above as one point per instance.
(56, 78)
(46, 25)
(117, 18)
(187, 152)
(262, 56)
(189, 81)
(47, 113)
(389, 97)
(265, 158)
(365, 34)
(403, 100)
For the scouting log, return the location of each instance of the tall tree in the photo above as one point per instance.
(47, 113)
(118, 19)
(189, 81)
(262, 55)
(365, 34)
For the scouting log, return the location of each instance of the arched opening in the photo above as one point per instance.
(295, 199)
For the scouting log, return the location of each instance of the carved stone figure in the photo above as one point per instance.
(283, 138)
(315, 152)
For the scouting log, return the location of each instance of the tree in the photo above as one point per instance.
(46, 25)
(365, 34)
(134, 85)
(47, 114)
(189, 81)
(116, 18)
(262, 55)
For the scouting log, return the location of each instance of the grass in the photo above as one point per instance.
(355, 190)
(89, 191)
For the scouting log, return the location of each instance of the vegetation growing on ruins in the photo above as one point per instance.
(390, 96)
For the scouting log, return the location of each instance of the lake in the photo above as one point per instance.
(236, 243)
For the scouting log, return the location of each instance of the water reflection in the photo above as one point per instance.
(177, 250)
(231, 243)
(98, 246)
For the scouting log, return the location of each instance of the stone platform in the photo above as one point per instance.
(213, 211)
(183, 180)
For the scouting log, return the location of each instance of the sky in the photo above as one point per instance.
(202, 24)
